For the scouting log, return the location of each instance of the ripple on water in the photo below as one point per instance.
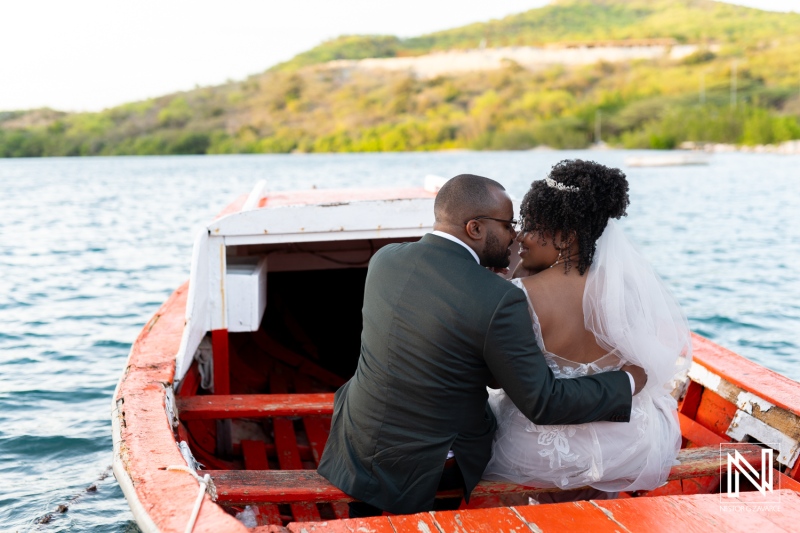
(23, 360)
(72, 393)
(48, 447)
(34, 335)
(17, 304)
(76, 297)
(108, 343)
(100, 270)
(104, 317)
(725, 322)
(779, 346)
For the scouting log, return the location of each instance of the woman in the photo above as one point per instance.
(596, 304)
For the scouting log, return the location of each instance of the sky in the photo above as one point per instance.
(87, 55)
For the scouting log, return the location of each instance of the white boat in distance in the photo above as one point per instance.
(667, 160)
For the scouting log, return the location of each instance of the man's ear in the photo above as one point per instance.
(474, 230)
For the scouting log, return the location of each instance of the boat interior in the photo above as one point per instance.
(306, 346)
(257, 419)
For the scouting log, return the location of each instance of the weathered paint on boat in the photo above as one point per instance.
(144, 445)
(687, 514)
(728, 398)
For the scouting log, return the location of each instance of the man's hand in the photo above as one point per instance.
(639, 377)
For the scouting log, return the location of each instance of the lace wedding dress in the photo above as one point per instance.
(631, 314)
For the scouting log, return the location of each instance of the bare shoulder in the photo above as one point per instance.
(536, 286)
(553, 293)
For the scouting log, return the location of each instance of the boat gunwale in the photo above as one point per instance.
(747, 375)
(140, 515)
(165, 497)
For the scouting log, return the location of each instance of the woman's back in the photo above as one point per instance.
(557, 301)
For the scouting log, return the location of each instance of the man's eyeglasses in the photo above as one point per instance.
(512, 224)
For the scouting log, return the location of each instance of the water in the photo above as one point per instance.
(89, 248)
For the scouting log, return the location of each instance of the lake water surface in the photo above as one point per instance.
(90, 248)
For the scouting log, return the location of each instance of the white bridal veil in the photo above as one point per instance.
(627, 306)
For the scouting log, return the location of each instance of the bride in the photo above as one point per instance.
(596, 304)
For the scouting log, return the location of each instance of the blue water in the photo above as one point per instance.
(89, 248)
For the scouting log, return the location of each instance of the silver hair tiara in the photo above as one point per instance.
(553, 184)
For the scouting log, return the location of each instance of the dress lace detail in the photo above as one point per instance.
(605, 455)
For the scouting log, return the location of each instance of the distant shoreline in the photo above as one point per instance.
(787, 148)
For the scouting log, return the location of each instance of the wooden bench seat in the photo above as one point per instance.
(241, 487)
(223, 406)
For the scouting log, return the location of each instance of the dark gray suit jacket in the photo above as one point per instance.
(436, 327)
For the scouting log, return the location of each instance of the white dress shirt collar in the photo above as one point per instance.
(457, 240)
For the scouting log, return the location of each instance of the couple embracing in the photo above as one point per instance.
(584, 344)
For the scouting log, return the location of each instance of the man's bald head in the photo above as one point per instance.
(463, 197)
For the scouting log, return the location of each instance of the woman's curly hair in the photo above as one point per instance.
(589, 194)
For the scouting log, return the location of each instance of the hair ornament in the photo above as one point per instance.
(553, 184)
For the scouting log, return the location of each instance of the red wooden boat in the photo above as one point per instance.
(238, 367)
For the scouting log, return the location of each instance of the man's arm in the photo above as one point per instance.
(515, 360)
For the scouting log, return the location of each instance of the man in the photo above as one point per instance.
(438, 325)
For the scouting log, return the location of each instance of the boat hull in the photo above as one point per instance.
(161, 500)
(144, 443)
(254, 403)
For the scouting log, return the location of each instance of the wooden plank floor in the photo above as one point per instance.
(255, 458)
(288, 453)
(317, 430)
(687, 514)
(293, 406)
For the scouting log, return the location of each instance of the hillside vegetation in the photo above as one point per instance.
(302, 106)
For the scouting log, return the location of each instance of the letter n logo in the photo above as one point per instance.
(738, 465)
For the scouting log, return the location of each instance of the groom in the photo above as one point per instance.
(437, 327)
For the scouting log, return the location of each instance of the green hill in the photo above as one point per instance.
(686, 21)
(298, 106)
